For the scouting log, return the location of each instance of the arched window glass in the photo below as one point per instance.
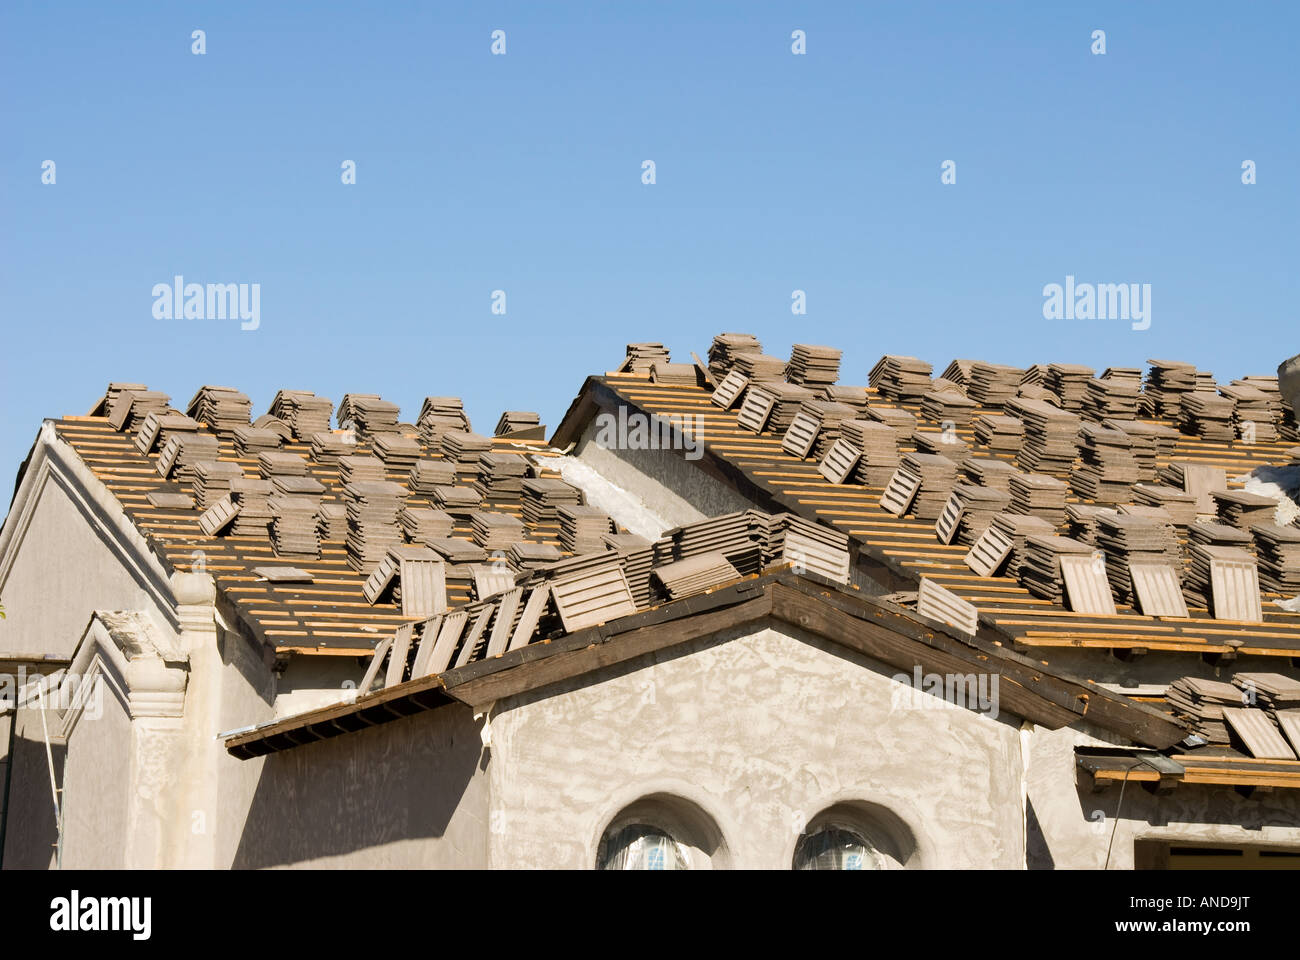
(641, 847)
(833, 848)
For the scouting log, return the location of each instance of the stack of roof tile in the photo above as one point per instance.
(1242, 509)
(494, 530)
(1000, 432)
(304, 412)
(900, 421)
(789, 399)
(501, 476)
(1198, 587)
(526, 555)
(808, 546)
(974, 508)
(1128, 539)
(1016, 527)
(682, 374)
(1069, 381)
(543, 497)
(332, 522)
(1040, 570)
(642, 356)
(109, 400)
(250, 441)
(212, 481)
(182, 453)
(938, 475)
(1038, 495)
(514, 421)
(223, 409)
(1081, 521)
(947, 407)
(878, 446)
(1153, 440)
(372, 508)
(369, 412)
(813, 366)
(1050, 436)
(459, 501)
(946, 443)
(1278, 550)
(1114, 394)
(354, 468)
(637, 557)
(1207, 415)
(1167, 381)
(989, 472)
(158, 428)
(438, 415)
(993, 384)
(695, 574)
(582, 528)
(759, 367)
(1202, 702)
(328, 446)
(253, 499)
(277, 463)
(422, 524)
(1254, 411)
(426, 475)
(130, 408)
(1180, 504)
(850, 396)
(723, 350)
(1108, 470)
(1211, 536)
(1282, 413)
(958, 372)
(465, 448)
(1035, 375)
(737, 536)
(901, 378)
(1268, 691)
(830, 415)
(397, 451)
(293, 525)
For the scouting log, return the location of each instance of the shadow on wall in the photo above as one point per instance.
(403, 780)
(1187, 804)
(30, 830)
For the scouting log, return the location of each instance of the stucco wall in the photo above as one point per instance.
(98, 772)
(762, 733)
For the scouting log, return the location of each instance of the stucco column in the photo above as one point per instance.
(193, 826)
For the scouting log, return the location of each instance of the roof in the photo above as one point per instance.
(904, 549)
(840, 614)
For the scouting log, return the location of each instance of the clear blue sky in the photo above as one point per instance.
(522, 172)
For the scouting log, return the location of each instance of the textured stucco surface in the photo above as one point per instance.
(762, 733)
(97, 777)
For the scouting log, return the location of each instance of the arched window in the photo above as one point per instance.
(835, 848)
(640, 846)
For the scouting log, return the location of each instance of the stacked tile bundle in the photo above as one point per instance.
(978, 506)
(1282, 413)
(493, 530)
(878, 444)
(958, 372)
(1035, 375)
(989, 472)
(1116, 393)
(829, 415)
(212, 481)
(760, 367)
(332, 522)
(223, 409)
(1207, 415)
(157, 428)
(1167, 381)
(459, 501)
(946, 443)
(277, 463)
(790, 397)
(501, 476)
(465, 449)
(993, 384)
(115, 389)
(516, 421)
(810, 547)
(636, 554)
(901, 378)
(1270, 692)
(1069, 381)
(1210, 533)
(328, 447)
(543, 497)
(370, 413)
(1017, 528)
(938, 476)
(1254, 412)
(695, 574)
(426, 475)
(1038, 495)
(1040, 570)
(740, 537)
(253, 498)
(1108, 470)
(250, 441)
(582, 528)
(1197, 479)
(422, 524)
(294, 508)
(372, 509)
(130, 408)
(999, 432)
(947, 407)
(1202, 702)
(1241, 509)
(438, 415)
(642, 356)
(725, 347)
(1050, 437)
(1179, 504)
(813, 366)
(1081, 521)
(682, 374)
(1278, 550)
(850, 396)
(1153, 440)
(1129, 539)
(304, 412)
(526, 555)
(355, 468)
(900, 421)
(397, 451)
(1198, 588)
(183, 452)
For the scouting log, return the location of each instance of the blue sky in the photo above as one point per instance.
(522, 172)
